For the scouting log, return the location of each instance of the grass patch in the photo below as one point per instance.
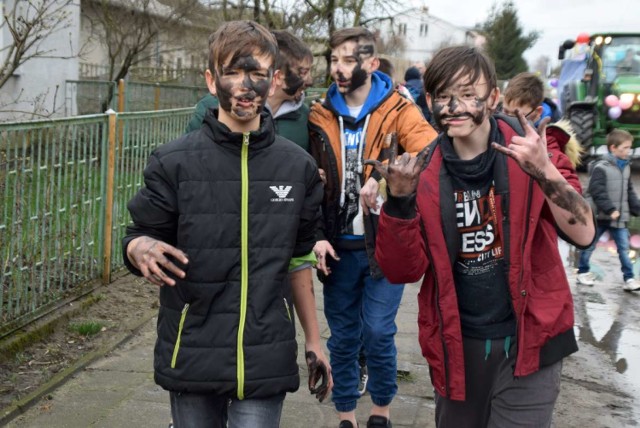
(86, 328)
(404, 376)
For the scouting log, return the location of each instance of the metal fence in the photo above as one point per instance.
(95, 96)
(64, 185)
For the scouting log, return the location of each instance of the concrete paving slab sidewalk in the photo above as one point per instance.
(118, 390)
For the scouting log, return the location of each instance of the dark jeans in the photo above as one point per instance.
(360, 309)
(212, 411)
(620, 236)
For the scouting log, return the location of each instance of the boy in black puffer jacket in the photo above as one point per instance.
(225, 225)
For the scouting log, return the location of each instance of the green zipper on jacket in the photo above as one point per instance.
(286, 305)
(244, 258)
(176, 348)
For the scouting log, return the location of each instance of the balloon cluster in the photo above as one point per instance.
(617, 105)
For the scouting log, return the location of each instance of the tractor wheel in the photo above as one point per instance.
(583, 122)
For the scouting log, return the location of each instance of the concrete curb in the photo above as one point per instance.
(20, 406)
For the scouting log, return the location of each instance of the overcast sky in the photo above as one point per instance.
(556, 20)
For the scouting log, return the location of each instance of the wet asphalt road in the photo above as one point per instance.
(607, 317)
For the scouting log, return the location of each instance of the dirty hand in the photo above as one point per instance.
(615, 215)
(150, 257)
(529, 151)
(319, 371)
(321, 249)
(401, 173)
(369, 195)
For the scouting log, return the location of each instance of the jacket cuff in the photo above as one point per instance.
(376, 176)
(320, 235)
(401, 206)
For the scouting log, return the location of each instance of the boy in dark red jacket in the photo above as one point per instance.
(479, 215)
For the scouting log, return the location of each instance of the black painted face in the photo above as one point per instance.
(297, 78)
(242, 85)
(461, 109)
(350, 65)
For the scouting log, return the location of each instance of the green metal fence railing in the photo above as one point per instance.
(63, 183)
(94, 96)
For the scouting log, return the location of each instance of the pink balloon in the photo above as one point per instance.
(611, 101)
(635, 241)
(625, 104)
(615, 112)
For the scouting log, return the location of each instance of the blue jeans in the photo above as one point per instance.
(621, 238)
(191, 410)
(360, 309)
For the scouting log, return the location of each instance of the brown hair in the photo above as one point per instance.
(357, 34)
(240, 38)
(525, 89)
(617, 137)
(290, 49)
(386, 67)
(448, 64)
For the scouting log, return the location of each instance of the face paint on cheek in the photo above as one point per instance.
(223, 92)
(437, 115)
(294, 82)
(358, 78)
(480, 106)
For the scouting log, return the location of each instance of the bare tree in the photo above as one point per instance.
(136, 32)
(30, 23)
(127, 29)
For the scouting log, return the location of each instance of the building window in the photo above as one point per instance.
(402, 29)
(424, 28)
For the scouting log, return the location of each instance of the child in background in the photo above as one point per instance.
(615, 201)
(525, 92)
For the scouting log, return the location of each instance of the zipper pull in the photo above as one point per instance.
(245, 138)
(185, 309)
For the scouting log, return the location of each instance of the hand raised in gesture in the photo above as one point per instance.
(402, 173)
(529, 151)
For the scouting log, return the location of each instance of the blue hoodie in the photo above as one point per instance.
(381, 86)
(353, 133)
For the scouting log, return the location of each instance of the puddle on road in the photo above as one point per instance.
(609, 317)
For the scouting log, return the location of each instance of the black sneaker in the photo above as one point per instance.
(376, 421)
(346, 424)
(364, 378)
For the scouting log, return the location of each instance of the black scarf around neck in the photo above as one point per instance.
(477, 168)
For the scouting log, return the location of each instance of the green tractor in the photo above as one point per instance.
(599, 86)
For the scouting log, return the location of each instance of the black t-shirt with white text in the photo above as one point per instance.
(480, 279)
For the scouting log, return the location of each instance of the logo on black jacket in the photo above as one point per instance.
(281, 192)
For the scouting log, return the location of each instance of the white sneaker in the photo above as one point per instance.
(631, 285)
(586, 278)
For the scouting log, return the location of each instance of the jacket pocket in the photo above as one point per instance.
(176, 347)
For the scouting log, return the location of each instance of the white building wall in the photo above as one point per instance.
(424, 34)
(37, 89)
